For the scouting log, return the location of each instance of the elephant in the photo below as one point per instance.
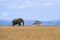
(18, 21)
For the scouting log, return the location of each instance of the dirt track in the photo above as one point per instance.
(30, 33)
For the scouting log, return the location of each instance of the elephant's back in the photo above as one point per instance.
(15, 21)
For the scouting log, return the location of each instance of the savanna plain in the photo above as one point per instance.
(29, 32)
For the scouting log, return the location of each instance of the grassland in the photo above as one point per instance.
(29, 33)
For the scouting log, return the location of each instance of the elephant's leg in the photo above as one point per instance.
(13, 24)
(19, 24)
(23, 23)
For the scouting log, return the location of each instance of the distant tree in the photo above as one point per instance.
(37, 23)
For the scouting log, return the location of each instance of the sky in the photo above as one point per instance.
(30, 9)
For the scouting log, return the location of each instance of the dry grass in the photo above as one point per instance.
(30, 33)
